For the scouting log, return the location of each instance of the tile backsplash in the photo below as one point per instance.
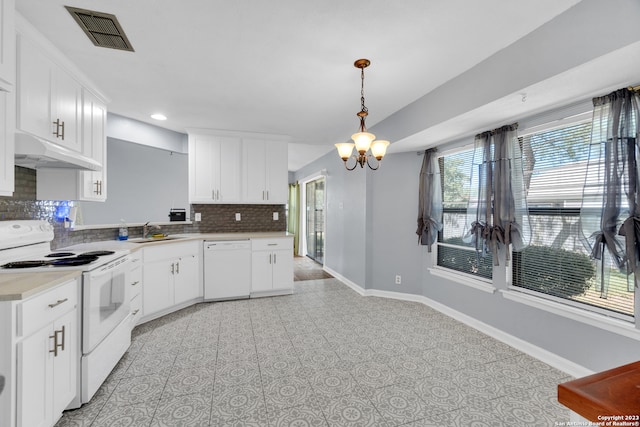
(215, 218)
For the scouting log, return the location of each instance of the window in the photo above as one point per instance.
(556, 263)
(452, 252)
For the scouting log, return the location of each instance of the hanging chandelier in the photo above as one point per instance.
(363, 141)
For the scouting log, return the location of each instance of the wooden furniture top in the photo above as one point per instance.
(612, 395)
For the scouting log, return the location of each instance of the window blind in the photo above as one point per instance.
(453, 252)
(557, 263)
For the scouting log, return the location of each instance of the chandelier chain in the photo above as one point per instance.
(362, 91)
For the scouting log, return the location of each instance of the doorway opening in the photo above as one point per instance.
(314, 219)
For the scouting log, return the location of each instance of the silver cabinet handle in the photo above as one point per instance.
(56, 344)
(135, 283)
(60, 301)
(270, 258)
(267, 194)
(178, 267)
(135, 312)
(272, 244)
(173, 271)
(274, 258)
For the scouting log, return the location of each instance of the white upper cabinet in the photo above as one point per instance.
(92, 184)
(7, 45)
(214, 169)
(265, 171)
(49, 99)
(234, 167)
(7, 96)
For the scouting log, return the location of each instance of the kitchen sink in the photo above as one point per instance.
(154, 239)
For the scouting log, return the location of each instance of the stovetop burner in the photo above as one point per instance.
(79, 260)
(96, 253)
(25, 264)
(59, 254)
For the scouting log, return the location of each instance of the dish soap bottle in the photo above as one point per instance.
(123, 232)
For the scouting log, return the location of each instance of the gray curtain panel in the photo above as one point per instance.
(497, 214)
(429, 200)
(610, 211)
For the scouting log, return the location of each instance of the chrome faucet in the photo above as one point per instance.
(146, 227)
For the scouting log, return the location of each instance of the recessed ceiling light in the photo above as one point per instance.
(159, 116)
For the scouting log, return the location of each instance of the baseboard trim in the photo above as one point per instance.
(532, 350)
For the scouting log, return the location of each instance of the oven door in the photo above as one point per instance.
(105, 301)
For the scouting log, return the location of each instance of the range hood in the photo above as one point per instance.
(35, 153)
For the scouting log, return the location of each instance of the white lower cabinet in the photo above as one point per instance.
(271, 266)
(44, 354)
(134, 279)
(172, 275)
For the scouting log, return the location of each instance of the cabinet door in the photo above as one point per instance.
(282, 269)
(201, 170)
(94, 115)
(7, 170)
(35, 377)
(67, 107)
(187, 285)
(253, 156)
(276, 156)
(34, 90)
(65, 364)
(7, 43)
(158, 286)
(228, 162)
(261, 271)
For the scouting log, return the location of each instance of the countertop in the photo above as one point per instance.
(608, 396)
(18, 286)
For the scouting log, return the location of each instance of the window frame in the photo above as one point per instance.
(587, 310)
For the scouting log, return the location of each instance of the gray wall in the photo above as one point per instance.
(143, 184)
(371, 261)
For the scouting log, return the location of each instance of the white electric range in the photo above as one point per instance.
(106, 329)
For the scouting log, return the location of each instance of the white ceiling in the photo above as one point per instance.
(284, 67)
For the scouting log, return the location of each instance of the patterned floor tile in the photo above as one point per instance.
(237, 373)
(332, 383)
(286, 392)
(298, 416)
(193, 410)
(352, 410)
(374, 374)
(318, 359)
(139, 414)
(236, 402)
(442, 396)
(398, 405)
(198, 379)
(278, 366)
(202, 356)
(135, 390)
(146, 364)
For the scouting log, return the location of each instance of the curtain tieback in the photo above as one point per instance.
(631, 231)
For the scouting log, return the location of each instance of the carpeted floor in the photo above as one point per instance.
(304, 268)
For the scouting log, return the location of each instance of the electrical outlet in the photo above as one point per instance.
(398, 279)
(275, 216)
(198, 216)
(238, 217)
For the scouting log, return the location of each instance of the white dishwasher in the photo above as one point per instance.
(227, 269)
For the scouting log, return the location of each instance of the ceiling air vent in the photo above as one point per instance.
(103, 29)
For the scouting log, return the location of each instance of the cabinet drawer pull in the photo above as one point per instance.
(274, 258)
(60, 301)
(56, 344)
(178, 267)
(135, 283)
(135, 312)
(272, 244)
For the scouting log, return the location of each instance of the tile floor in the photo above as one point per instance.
(324, 356)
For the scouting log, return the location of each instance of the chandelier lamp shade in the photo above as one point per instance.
(363, 141)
